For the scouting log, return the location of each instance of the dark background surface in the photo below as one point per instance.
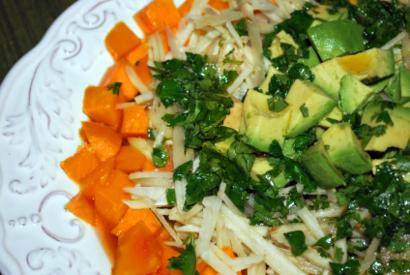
(22, 25)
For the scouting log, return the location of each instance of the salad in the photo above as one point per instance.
(251, 137)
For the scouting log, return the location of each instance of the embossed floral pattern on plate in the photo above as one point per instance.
(40, 113)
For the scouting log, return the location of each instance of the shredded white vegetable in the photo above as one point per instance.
(311, 222)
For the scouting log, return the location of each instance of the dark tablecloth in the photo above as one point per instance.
(22, 24)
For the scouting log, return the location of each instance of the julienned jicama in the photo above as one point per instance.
(251, 137)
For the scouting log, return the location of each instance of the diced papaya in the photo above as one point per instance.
(168, 253)
(100, 106)
(143, 71)
(219, 4)
(185, 7)
(135, 121)
(139, 252)
(105, 141)
(121, 40)
(158, 15)
(81, 164)
(109, 198)
(149, 166)
(138, 53)
(129, 159)
(119, 75)
(98, 177)
(82, 207)
(108, 240)
(133, 216)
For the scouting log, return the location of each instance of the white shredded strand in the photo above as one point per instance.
(144, 175)
(168, 227)
(136, 81)
(144, 98)
(142, 145)
(396, 40)
(212, 207)
(311, 222)
(217, 19)
(273, 256)
(370, 255)
(180, 194)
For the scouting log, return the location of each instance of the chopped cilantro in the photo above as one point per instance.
(351, 267)
(159, 156)
(241, 27)
(171, 196)
(115, 88)
(296, 240)
(150, 133)
(304, 110)
(277, 104)
(186, 262)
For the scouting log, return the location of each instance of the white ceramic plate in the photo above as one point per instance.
(40, 114)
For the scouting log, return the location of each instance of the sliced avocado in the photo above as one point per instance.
(396, 135)
(265, 84)
(261, 166)
(368, 65)
(222, 147)
(393, 89)
(327, 13)
(260, 125)
(404, 83)
(333, 116)
(311, 59)
(305, 96)
(233, 120)
(353, 94)
(317, 162)
(281, 37)
(345, 150)
(336, 38)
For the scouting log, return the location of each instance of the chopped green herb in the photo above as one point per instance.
(304, 110)
(241, 27)
(171, 196)
(186, 262)
(115, 88)
(277, 104)
(351, 267)
(159, 156)
(296, 240)
(150, 134)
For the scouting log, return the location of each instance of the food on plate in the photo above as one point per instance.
(251, 137)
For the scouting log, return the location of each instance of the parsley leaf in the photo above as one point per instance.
(351, 267)
(171, 196)
(186, 262)
(297, 242)
(304, 110)
(277, 104)
(241, 27)
(150, 134)
(115, 88)
(159, 156)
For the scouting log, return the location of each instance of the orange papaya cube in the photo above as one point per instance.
(79, 165)
(139, 252)
(98, 177)
(133, 216)
(143, 71)
(120, 75)
(219, 4)
(82, 207)
(105, 141)
(158, 15)
(109, 198)
(185, 8)
(108, 241)
(135, 121)
(121, 40)
(138, 53)
(129, 159)
(100, 106)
